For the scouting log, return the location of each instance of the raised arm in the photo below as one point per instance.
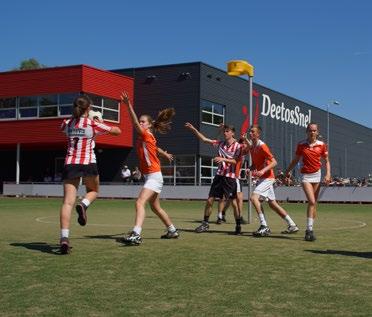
(198, 134)
(125, 100)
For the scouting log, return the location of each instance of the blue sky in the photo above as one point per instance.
(315, 51)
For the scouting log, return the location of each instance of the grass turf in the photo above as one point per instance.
(208, 274)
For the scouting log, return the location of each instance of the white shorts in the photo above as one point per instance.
(265, 188)
(239, 185)
(312, 177)
(154, 181)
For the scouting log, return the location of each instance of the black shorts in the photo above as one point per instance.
(223, 187)
(71, 171)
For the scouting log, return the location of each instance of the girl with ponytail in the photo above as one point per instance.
(80, 162)
(147, 152)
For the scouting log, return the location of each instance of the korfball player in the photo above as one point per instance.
(147, 151)
(264, 163)
(80, 162)
(311, 151)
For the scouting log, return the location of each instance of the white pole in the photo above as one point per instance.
(345, 161)
(250, 158)
(18, 155)
(329, 149)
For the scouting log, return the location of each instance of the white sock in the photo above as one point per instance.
(289, 220)
(86, 202)
(310, 223)
(262, 219)
(220, 214)
(65, 233)
(137, 229)
(171, 228)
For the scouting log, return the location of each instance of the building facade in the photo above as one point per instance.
(33, 103)
(206, 96)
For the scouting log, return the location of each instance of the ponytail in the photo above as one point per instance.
(163, 122)
(81, 104)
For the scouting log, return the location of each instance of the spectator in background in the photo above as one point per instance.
(47, 178)
(125, 174)
(136, 175)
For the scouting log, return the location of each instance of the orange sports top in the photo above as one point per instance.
(311, 154)
(147, 153)
(261, 157)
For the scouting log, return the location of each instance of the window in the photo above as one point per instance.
(48, 106)
(208, 169)
(65, 103)
(8, 108)
(28, 107)
(212, 113)
(54, 106)
(108, 107)
(181, 172)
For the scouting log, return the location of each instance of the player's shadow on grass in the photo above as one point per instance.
(105, 236)
(365, 255)
(244, 233)
(39, 246)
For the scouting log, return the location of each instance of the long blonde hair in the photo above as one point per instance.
(162, 124)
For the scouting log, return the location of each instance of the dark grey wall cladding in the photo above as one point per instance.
(169, 86)
(281, 128)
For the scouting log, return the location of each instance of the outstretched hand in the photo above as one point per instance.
(168, 156)
(125, 98)
(190, 126)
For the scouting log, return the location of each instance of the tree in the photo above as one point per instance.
(30, 63)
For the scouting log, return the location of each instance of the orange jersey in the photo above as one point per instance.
(311, 154)
(147, 152)
(261, 157)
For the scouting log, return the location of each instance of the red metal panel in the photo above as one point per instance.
(41, 81)
(43, 132)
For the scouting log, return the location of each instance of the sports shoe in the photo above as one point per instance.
(81, 210)
(132, 239)
(219, 221)
(290, 229)
(223, 219)
(64, 246)
(262, 231)
(309, 235)
(238, 230)
(204, 227)
(170, 235)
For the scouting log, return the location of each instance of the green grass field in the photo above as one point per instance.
(209, 274)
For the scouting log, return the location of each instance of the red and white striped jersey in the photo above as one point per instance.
(231, 151)
(81, 133)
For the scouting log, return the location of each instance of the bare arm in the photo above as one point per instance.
(327, 177)
(219, 159)
(292, 165)
(268, 167)
(199, 135)
(115, 131)
(165, 154)
(125, 100)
